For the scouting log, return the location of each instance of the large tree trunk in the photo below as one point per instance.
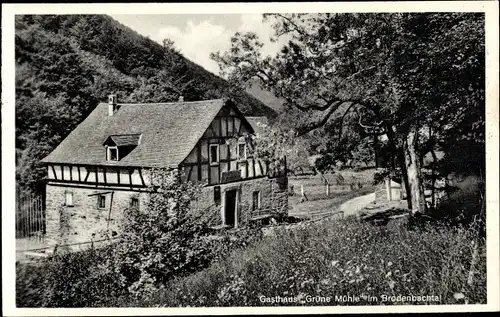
(434, 178)
(404, 174)
(398, 156)
(412, 160)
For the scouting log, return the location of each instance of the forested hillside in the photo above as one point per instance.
(67, 64)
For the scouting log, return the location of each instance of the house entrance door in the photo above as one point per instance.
(230, 212)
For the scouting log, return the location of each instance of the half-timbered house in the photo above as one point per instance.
(102, 166)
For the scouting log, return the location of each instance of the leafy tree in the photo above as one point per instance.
(363, 152)
(280, 148)
(165, 238)
(170, 236)
(391, 74)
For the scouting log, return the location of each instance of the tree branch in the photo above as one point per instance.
(341, 128)
(361, 71)
(360, 118)
(310, 106)
(260, 77)
(313, 126)
(295, 26)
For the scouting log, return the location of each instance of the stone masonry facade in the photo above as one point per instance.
(273, 199)
(84, 222)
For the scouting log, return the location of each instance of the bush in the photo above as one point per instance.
(229, 241)
(166, 238)
(333, 257)
(93, 278)
(80, 279)
(462, 204)
(339, 179)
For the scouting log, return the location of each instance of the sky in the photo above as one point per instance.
(198, 35)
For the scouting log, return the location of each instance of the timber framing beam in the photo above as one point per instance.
(51, 181)
(122, 188)
(68, 173)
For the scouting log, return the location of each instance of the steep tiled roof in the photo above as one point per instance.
(123, 139)
(168, 133)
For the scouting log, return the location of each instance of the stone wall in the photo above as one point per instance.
(85, 221)
(246, 198)
(273, 199)
(279, 197)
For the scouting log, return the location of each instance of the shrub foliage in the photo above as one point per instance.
(169, 238)
(82, 279)
(163, 239)
(326, 259)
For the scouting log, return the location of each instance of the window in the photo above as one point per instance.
(112, 153)
(256, 200)
(101, 201)
(214, 154)
(242, 151)
(119, 146)
(134, 202)
(68, 199)
(217, 195)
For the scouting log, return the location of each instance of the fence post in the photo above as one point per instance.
(327, 189)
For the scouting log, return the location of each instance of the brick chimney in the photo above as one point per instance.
(112, 104)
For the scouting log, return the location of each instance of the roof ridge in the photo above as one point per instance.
(125, 134)
(167, 103)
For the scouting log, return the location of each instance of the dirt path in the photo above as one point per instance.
(350, 208)
(24, 244)
(353, 206)
(312, 209)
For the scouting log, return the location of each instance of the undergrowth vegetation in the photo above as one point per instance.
(338, 258)
(322, 259)
(168, 257)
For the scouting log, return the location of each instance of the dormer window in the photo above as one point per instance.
(119, 146)
(112, 153)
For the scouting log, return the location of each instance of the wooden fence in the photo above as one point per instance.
(30, 215)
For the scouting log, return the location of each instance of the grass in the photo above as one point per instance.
(315, 188)
(348, 176)
(324, 204)
(336, 258)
